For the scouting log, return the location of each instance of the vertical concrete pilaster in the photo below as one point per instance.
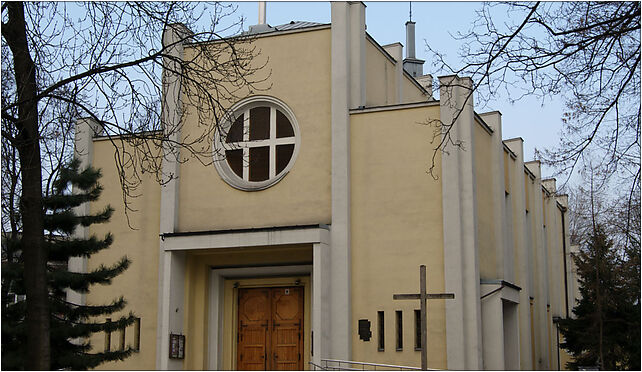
(493, 331)
(522, 253)
(86, 129)
(320, 302)
(461, 263)
(541, 278)
(215, 336)
(357, 29)
(340, 331)
(171, 273)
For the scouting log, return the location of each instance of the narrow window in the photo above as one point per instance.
(137, 334)
(108, 335)
(121, 345)
(399, 322)
(380, 331)
(417, 330)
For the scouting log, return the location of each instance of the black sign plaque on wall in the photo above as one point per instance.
(364, 329)
(176, 346)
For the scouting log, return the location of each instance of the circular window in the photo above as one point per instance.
(257, 144)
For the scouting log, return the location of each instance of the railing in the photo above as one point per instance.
(348, 365)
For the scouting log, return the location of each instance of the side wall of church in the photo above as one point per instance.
(396, 225)
(487, 241)
(139, 283)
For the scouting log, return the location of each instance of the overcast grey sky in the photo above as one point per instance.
(537, 124)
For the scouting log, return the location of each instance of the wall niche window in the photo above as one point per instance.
(417, 329)
(381, 333)
(399, 333)
(257, 143)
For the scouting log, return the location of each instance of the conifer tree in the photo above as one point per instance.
(605, 330)
(71, 324)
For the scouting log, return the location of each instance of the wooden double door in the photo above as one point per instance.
(270, 329)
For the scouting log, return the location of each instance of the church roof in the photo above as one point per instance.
(292, 25)
(297, 24)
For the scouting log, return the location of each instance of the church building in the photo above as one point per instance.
(319, 207)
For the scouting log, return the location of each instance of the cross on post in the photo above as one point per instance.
(423, 296)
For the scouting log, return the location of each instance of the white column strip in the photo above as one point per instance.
(272, 142)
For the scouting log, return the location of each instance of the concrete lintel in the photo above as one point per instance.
(247, 239)
(401, 106)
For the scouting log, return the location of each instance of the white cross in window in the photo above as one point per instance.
(246, 144)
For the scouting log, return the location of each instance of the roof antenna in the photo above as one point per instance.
(410, 11)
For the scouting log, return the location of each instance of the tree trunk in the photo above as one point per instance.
(33, 249)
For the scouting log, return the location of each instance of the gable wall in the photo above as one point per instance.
(302, 81)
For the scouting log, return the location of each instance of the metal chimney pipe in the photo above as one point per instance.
(262, 12)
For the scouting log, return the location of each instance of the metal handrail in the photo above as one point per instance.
(316, 367)
(364, 364)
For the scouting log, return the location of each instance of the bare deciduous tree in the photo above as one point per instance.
(62, 61)
(586, 52)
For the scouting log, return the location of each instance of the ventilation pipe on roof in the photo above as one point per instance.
(410, 39)
(261, 26)
(262, 7)
(414, 66)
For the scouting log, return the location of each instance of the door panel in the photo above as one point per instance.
(287, 315)
(270, 329)
(254, 314)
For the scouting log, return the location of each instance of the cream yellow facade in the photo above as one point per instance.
(350, 220)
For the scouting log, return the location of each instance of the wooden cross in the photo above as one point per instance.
(423, 296)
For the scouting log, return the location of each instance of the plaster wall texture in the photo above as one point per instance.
(396, 225)
(395, 50)
(410, 91)
(380, 76)
(487, 241)
(140, 246)
(504, 251)
(303, 196)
